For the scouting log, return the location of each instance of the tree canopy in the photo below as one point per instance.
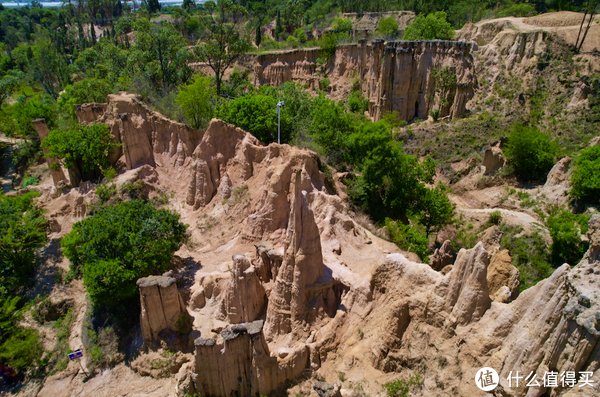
(433, 26)
(119, 244)
(84, 149)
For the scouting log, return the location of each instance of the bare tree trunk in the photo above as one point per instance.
(587, 29)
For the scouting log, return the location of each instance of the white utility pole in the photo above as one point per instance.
(279, 105)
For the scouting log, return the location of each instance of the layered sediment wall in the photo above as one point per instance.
(400, 76)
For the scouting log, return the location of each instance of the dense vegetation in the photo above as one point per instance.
(530, 152)
(84, 149)
(22, 232)
(119, 244)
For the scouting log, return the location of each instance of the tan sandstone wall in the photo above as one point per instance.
(393, 76)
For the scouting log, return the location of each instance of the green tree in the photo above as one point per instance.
(84, 91)
(585, 179)
(390, 184)
(566, 229)
(159, 54)
(387, 27)
(20, 347)
(434, 26)
(152, 6)
(22, 232)
(197, 100)
(435, 209)
(257, 114)
(84, 150)
(119, 244)
(342, 25)
(221, 43)
(530, 152)
(409, 237)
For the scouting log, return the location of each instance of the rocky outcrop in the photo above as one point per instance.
(364, 24)
(245, 298)
(58, 176)
(393, 76)
(162, 308)
(442, 256)
(502, 277)
(239, 363)
(493, 160)
(558, 182)
(141, 132)
(552, 326)
(300, 282)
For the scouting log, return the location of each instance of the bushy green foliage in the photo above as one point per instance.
(566, 230)
(387, 27)
(198, 101)
(119, 244)
(22, 232)
(341, 24)
(15, 119)
(84, 148)
(495, 218)
(434, 26)
(29, 181)
(530, 152)
(105, 192)
(585, 179)
(517, 10)
(529, 254)
(403, 388)
(84, 91)
(435, 209)
(357, 103)
(390, 183)
(257, 114)
(408, 237)
(328, 126)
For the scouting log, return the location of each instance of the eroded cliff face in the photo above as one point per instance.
(446, 326)
(281, 281)
(393, 76)
(141, 132)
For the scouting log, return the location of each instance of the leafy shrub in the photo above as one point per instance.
(357, 103)
(328, 126)
(22, 232)
(119, 244)
(15, 119)
(105, 192)
(402, 388)
(84, 149)
(387, 27)
(566, 229)
(29, 181)
(324, 84)
(390, 183)
(435, 209)
(341, 24)
(257, 114)
(84, 91)
(20, 347)
(26, 154)
(407, 237)
(529, 254)
(495, 218)
(585, 179)
(198, 101)
(517, 10)
(431, 27)
(530, 152)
